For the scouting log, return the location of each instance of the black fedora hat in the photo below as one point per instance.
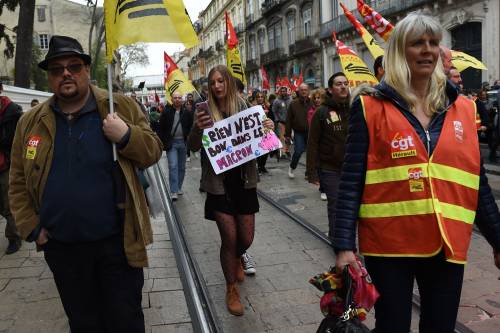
(61, 46)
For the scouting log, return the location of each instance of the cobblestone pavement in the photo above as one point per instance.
(29, 301)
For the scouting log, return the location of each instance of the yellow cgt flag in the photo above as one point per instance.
(462, 61)
(353, 66)
(131, 21)
(233, 53)
(175, 80)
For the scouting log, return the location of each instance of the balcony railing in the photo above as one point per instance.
(338, 24)
(305, 45)
(270, 6)
(272, 56)
(251, 65)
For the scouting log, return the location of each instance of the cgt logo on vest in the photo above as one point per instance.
(415, 176)
(402, 145)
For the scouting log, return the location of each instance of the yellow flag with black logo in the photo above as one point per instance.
(175, 80)
(463, 61)
(133, 21)
(233, 53)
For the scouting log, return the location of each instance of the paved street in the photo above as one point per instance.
(277, 299)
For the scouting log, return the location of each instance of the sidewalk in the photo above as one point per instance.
(29, 301)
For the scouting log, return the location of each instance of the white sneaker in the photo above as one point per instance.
(181, 193)
(323, 196)
(290, 173)
(173, 196)
(248, 264)
(188, 159)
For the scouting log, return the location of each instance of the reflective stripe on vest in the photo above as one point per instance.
(413, 205)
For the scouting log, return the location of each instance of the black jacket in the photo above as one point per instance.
(352, 179)
(326, 141)
(167, 124)
(9, 115)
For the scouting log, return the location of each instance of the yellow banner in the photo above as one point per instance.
(462, 61)
(353, 66)
(234, 64)
(177, 82)
(129, 22)
(371, 44)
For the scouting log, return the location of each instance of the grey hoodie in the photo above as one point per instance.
(280, 107)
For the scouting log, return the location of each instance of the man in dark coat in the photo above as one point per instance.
(10, 113)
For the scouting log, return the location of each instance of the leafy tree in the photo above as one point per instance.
(4, 35)
(97, 30)
(38, 76)
(134, 54)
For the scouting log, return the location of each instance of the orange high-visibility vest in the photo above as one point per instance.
(414, 205)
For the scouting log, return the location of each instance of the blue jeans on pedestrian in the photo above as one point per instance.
(299, 146)
(329, 183)
(176, 156)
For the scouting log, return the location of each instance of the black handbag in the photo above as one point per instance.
(348, 322)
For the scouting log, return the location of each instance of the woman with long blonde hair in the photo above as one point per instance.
(231, 196)
(412, 184)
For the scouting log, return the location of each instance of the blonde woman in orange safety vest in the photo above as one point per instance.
(413, 184)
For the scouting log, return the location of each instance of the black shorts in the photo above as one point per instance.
(243, 202)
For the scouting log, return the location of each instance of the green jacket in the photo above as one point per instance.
(29, 170)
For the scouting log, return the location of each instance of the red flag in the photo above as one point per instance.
(278, 83)
(231, 39)
(294, 81)
(300, 79)
(286, 82)
(170, 65)
(375, 20)
(157, 98)
(265, 80)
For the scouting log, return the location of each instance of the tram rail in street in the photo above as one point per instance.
(201, 309)
(459, 327)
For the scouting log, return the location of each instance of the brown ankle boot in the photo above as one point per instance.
(233, 300)
(240, 274)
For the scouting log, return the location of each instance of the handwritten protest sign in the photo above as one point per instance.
(238, 139)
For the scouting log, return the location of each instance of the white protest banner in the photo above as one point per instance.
(238, 139)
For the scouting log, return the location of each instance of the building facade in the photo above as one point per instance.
(471, 26)
(211, 28)
(52, 17)
(283, 37)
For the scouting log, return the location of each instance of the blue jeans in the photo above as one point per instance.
(299, 146)
(176, 156)
(329, 183)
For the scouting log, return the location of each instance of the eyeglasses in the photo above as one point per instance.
(59, 70)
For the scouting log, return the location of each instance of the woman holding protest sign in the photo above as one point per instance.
(231, 196)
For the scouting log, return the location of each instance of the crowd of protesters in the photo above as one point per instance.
(357, 152)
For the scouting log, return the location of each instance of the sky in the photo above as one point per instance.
(155, 50)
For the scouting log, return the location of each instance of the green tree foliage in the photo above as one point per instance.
(7, 33)
(38, 76)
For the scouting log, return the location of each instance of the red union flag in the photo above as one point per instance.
(375, 50)
(378, 23)
(265, 80)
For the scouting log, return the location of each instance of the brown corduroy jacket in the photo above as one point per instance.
(28, 176)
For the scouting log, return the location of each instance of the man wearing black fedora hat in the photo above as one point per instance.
(85, 211)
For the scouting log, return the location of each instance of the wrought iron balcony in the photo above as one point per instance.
(338, 24)
(239, 28)
(272, 56)
(251, 65)
(305, 45)
(270, 6)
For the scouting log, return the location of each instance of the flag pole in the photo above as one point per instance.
(111, 104)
